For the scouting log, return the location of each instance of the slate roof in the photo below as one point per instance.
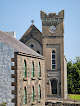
(17, 45)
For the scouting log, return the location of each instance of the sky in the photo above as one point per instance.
(16, 15)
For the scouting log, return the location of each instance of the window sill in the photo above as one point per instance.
(24, 104)
(24, 79)
(52, 70)
(53, 95)
(33, 78)
(39, 78)
(39, 101)
(33, 103)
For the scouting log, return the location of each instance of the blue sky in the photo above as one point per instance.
(16, 15)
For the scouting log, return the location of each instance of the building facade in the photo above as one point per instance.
(51, 46)
(29, 80)
(22, 73)
(53, 50)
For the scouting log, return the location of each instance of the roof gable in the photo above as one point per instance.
(32, 32)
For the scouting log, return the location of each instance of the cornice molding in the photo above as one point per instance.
(52, 37)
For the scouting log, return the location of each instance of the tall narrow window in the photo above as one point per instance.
(32, 69)
(54, 86)
(33, 94)
(39, 92)
(25, 96)
(24, 72)
(39, 70)
(53, 60)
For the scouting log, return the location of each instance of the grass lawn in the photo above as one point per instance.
(74, 96)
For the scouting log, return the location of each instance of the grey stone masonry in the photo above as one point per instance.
(29, 81)
(6, 53)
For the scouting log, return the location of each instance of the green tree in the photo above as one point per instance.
(73, 76)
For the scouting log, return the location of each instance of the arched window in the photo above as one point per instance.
(31, 46)
(24, 71)
(54, 86)
(33, 94)
(39, 92)
(25, 96)
(53, 60)
(39, 70)
(32, 69)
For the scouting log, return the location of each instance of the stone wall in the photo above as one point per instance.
(28, 82)
(52, 15)
(37, 46)
(62, 104)
(6, 53)
(65, 78)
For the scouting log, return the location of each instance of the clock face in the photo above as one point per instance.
(52, 29)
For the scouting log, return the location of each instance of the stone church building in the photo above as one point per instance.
(33, 70)
(50, 44)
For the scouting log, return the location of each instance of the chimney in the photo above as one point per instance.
(12, 33)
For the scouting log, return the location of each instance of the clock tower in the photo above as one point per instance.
(53, 51)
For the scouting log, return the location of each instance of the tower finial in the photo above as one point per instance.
(32, 21)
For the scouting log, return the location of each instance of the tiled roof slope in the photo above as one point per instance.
(17, 45)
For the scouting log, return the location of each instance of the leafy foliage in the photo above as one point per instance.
(73, 76)
(3, 104)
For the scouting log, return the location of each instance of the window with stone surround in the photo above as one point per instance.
(39, 69)
(33, 94)
(25, 96)
(53, 60)
(32, 69)
(39, 92)
(25, 69)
